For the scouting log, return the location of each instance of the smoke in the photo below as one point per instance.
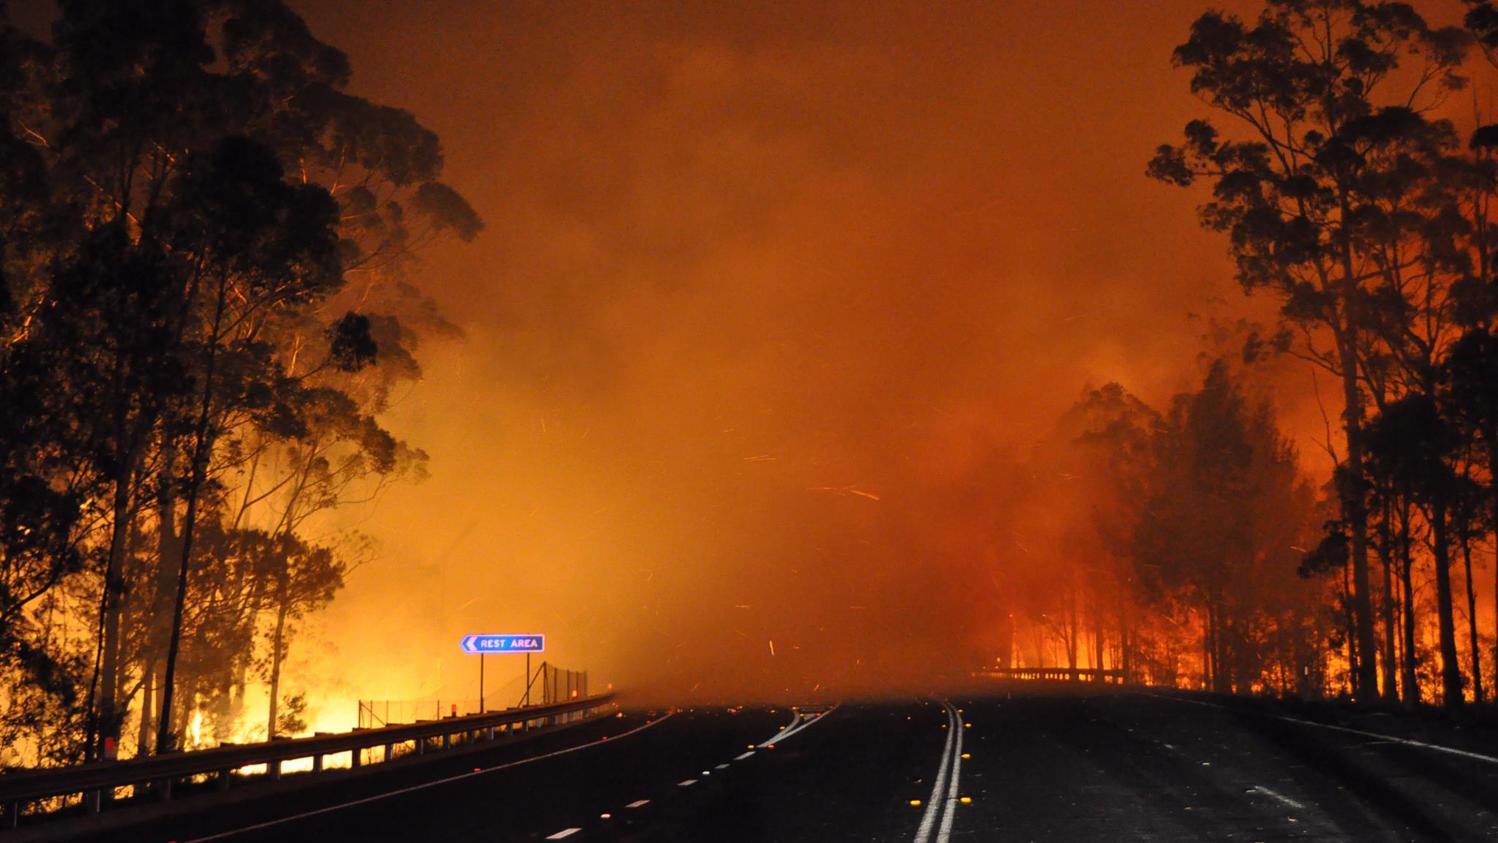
(772, 305)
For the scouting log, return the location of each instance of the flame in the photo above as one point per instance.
(197, 727)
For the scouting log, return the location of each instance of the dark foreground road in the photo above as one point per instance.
(1031, 765)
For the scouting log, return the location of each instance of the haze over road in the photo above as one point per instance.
(1022, 763)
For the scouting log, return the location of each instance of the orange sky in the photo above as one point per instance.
(744, 273)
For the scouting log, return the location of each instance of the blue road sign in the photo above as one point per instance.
(478, 644)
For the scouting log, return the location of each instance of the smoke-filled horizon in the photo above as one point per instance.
(771, 306)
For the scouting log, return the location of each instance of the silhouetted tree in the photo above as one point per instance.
(1326, 119)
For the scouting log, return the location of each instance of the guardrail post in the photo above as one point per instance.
(157, 776)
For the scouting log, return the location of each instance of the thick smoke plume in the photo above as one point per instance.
(773, 308)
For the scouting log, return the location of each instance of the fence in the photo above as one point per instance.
(557, 684)
(160, 773)
(374, 714)
(548, 684)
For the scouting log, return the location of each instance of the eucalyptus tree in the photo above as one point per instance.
(1413, 444)
(211, 191)
(1471, 370)
(1316, 92)
(1223, 506)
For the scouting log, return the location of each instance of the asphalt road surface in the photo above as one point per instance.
(1025, 764)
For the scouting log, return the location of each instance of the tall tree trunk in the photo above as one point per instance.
(1411, 679)
(1006, 640)
(202, 451)
(1349, 623)
(1098, 644)
(147, 707)
(1493, 501)
(1451, 669)
(277, 653)
(111, 604)
(1073, 633)
(1215, 682)
(1385, 554)
(1466, 544)
(154, 649)
(1353, 492)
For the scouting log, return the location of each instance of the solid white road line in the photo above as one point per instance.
(799, 724)
(564, 833)
(1462, 753)
(933, 806)
(742, 755)
(638, 803)
(944, 833)
(424, 785)
(787, 731)
(1279, 797)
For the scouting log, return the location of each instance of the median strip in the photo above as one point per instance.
(939, 814)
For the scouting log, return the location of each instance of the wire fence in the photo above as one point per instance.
(548, 684)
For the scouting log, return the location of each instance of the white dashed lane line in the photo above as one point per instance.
(1279, 797)
(799, 722)
(425, 785)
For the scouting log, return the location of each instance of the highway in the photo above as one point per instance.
(1028, 763)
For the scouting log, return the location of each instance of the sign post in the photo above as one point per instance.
(483, 644)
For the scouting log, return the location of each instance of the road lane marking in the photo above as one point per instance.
(801, 723)
(1434, 747)
(638, 803)
(785, 731)
(742, 755)
(1279, 797)
(934, 805)
(425, 785)
(721, 767)
(686, 782)
(564, 833)
(944, 833)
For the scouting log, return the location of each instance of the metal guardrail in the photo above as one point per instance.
(1085, 674)
(159, 772)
